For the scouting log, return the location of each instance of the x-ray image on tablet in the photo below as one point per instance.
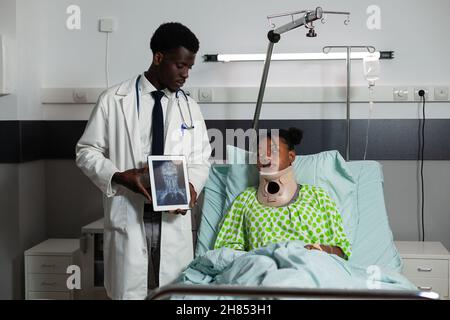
(169, 182)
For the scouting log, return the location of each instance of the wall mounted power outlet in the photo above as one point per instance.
(416, 94)
(106, 25)
(401, 94)
(79, 96)
(205, 95)
(441, 93)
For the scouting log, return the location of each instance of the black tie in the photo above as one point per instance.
(157, 124)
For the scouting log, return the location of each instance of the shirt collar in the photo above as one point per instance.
(147, 87)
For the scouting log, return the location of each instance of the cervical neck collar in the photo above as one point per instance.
(276, 189)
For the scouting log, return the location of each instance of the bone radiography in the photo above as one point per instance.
(168, 190)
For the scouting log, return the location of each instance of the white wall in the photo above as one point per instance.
(22, 202)
(30, 43)
(75, 58)
(8, 104)
(21, 24)
(50, 55)
(240, 27)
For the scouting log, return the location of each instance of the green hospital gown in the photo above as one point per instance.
(313, 218)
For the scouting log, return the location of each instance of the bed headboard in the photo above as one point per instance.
(374, 242)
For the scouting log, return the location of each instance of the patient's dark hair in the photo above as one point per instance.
(292, 136)
(173, 35)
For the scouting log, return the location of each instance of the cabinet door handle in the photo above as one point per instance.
(48, 265)
(425, 288)
(426, 269)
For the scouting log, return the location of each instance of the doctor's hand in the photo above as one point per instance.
(134, 179)
(191, 204)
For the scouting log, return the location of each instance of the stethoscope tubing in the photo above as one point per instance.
(177, 97)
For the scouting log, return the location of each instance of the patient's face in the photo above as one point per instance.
(273, 155)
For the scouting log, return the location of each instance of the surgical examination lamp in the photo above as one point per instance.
(307, 18)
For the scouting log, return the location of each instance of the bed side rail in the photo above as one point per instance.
(275, 292)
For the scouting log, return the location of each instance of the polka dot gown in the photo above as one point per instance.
(312, 218)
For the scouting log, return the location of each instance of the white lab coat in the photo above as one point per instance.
(111, 143)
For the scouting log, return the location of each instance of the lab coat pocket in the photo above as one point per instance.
(116, 213)
(180, 142)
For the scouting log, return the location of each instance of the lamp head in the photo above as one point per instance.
(311, 33)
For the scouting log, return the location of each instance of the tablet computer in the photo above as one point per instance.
(169, 182)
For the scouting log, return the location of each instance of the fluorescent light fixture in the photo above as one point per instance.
(294, 56)
(290, 56)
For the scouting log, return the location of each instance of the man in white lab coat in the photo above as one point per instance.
(137, 118)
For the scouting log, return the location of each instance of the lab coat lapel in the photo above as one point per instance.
(132, 123)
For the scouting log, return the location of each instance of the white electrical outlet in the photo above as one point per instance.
(401, 94)
(416, 94)
(106, 25)
(205, 95)
(441, 93)
(79, 96)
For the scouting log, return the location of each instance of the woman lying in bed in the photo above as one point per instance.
(309, 215)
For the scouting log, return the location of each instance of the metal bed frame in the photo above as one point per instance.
(289, 293)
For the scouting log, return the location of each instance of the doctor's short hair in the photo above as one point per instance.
(173, 35)
(292, 136)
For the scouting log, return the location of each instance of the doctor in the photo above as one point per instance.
(142, 116)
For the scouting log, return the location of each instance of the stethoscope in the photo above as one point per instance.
(184, 125)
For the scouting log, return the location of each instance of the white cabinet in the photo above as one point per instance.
(92, 261)
(427, 265)
(46, 269)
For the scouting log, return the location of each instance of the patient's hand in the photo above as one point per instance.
(328, 249)
(311, 247)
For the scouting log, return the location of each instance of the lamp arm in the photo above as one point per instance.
(274, 36)
(308, 17)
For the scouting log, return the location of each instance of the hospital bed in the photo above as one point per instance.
(357, 188)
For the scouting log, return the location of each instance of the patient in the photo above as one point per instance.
(301, 212)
